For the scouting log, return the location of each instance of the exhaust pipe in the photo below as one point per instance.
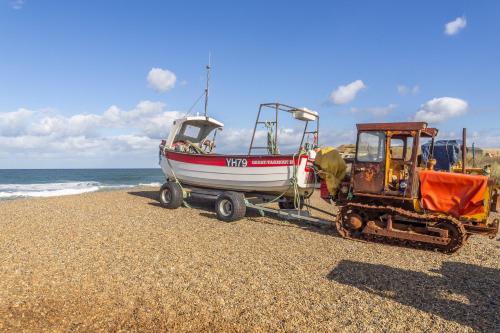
(464, 149)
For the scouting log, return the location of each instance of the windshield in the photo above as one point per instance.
(371, 147)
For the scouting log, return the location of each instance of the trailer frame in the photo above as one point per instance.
(253, 200)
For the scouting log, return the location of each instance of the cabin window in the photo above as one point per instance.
(371, 147)
(409, 148)
(397, 148)
(192, 131)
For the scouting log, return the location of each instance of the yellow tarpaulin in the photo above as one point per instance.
(332, 168)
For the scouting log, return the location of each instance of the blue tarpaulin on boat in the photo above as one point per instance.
(446, 153)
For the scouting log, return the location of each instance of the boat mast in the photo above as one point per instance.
(206, 89)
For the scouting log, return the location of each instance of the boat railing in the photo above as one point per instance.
(302, 114)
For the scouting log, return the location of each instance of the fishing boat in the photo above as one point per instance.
(188, 159)
(188, 156)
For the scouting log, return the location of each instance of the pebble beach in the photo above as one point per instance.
(118, 261)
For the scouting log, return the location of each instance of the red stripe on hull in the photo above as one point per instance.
(235, 160)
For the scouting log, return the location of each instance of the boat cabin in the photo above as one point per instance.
(196, 134)
(193, 134)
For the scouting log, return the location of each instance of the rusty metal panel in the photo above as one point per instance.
(429, 132)
(401, 126)
(495, 202)
(368, 177)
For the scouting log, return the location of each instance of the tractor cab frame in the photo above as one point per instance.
(386, 159)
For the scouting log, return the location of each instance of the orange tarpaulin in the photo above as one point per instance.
(453, 193)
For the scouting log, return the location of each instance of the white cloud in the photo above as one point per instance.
(347, 93)
(39, 134)
(404, 90)
(147, 116)
(482, 138)
(161, 79)
(17, 4)
(454, 27)
(440, 109)
(14, 123)
(486, 138)
(377, 111)
(237, 140)
(150, 118)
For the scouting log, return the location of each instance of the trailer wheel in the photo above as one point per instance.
(230, 206)
(288, 204)
(171, 195)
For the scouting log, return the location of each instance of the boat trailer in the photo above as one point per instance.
(231, 205)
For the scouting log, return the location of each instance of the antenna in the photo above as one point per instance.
(208, 81)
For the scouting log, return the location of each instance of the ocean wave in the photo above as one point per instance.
(11, 191)
(154, 184)
(14, 191)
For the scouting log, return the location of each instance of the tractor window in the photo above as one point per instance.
(409, 148)
(397, 148)
(371, 147)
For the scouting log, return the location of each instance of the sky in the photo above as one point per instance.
(97, 84)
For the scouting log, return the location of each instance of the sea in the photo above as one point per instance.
(28, 183)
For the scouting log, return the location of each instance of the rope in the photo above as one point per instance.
(293, 184)
(196, 102)
(184, 202)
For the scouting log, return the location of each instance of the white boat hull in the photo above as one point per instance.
(263, 174)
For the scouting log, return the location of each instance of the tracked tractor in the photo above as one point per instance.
(391, 194)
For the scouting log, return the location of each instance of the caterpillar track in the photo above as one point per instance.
(398, 226)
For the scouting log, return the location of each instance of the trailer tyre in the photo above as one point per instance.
(230, 206)
(171, 195)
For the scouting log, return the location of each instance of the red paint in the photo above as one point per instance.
(220, 160)
(309, 166)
